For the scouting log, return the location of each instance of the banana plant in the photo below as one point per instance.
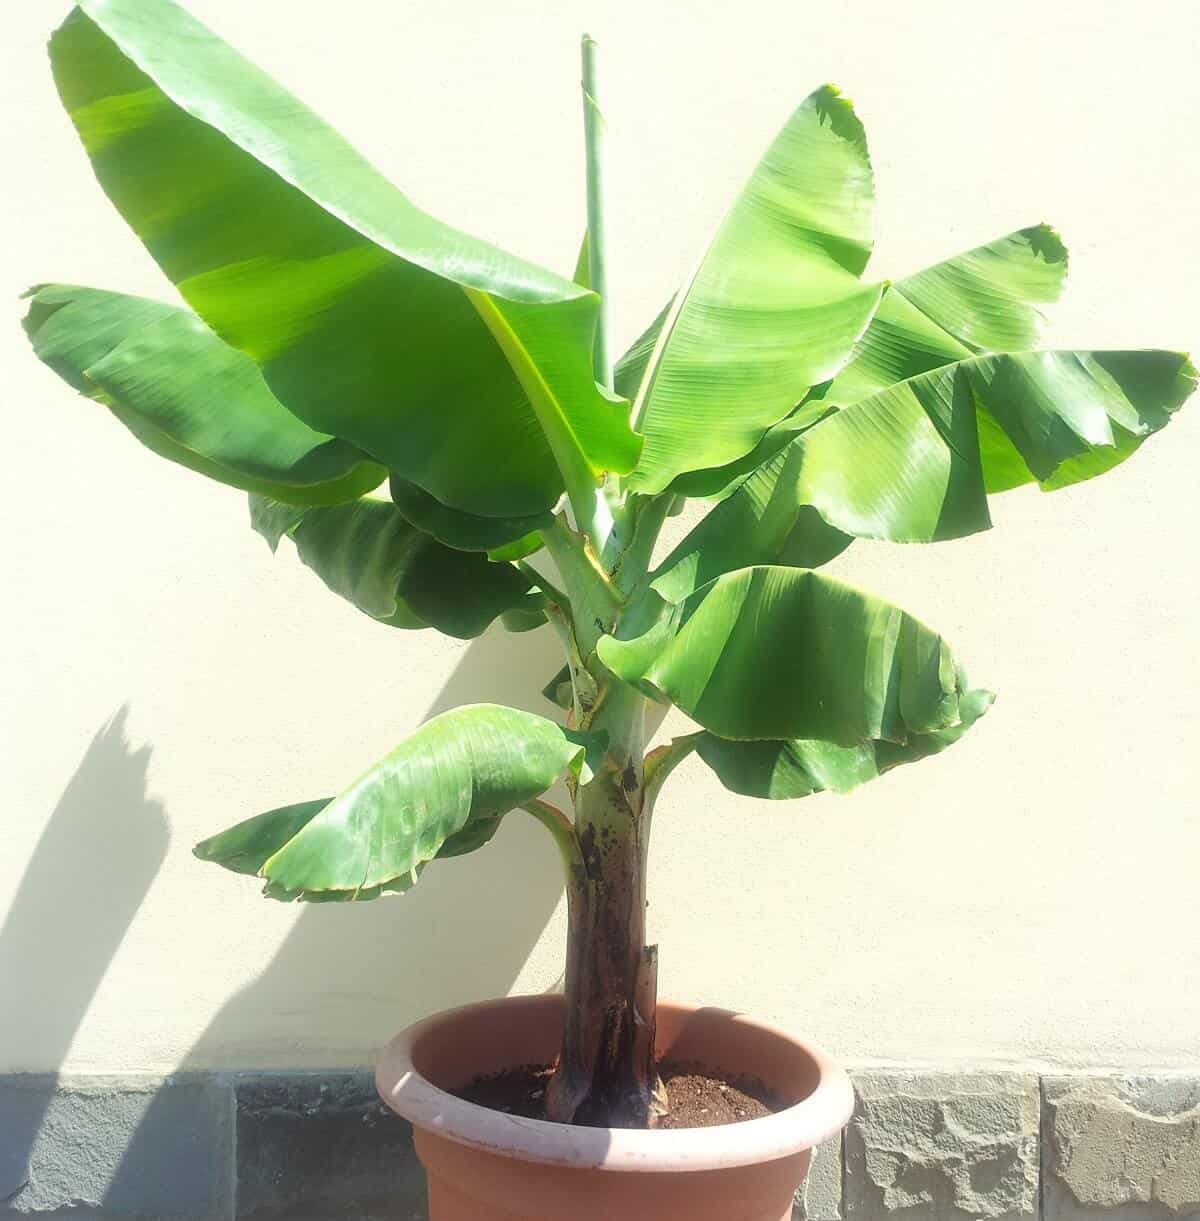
(438, 428)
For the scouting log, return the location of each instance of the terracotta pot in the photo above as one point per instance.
(484, 1165)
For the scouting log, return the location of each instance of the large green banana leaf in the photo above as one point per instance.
(775, 305)
(915, 462)
(370, 555)
(246, 847)
(800, 767)
(772, 652)
(189, 396)
(984, 299)
(460, 367)
(440, 793)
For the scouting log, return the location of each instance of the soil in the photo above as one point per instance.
(698, 1097)
(701, 1099)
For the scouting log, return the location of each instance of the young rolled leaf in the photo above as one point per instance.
(799, 767)
(774, 307)
(190, 397)
(462, 368)
(770, 652)
(439, 793)
(367, 553)
(915, 462)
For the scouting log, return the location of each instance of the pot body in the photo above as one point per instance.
(484, 1165)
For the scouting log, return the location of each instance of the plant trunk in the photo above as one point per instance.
(606, 1075)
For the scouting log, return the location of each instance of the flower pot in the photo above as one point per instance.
(484, 1165)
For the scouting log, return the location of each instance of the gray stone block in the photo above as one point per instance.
(321, 1145)
(125, 1147)
(1121, 1148)
(820, 1196)
(940, 1146)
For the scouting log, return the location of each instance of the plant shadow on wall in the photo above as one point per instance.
(349, 975)
(51, 967)
(346, 977)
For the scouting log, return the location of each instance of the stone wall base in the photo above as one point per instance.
(309, 1146)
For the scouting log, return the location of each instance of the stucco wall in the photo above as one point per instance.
(1030, 898)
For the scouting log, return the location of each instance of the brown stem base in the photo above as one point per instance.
(606, 1075)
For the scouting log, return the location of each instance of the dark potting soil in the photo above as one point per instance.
(697, 1097)
(700, 1099)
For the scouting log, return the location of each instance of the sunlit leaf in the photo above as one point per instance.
(772, 652)
(774, 307)
(440, 793)
(984, 300)
(915, 462)
(464, 369)
(190, 397)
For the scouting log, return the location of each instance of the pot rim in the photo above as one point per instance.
(785, 1133)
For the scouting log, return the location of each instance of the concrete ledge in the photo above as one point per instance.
(309, 1146)
(106, 1147)
(323, 1145)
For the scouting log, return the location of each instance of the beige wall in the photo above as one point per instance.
(1033, 896)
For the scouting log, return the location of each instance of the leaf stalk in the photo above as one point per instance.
(546, 585)
(561, 828)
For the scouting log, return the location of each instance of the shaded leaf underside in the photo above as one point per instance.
(516, 537)
(782, 770)
(367, 553)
